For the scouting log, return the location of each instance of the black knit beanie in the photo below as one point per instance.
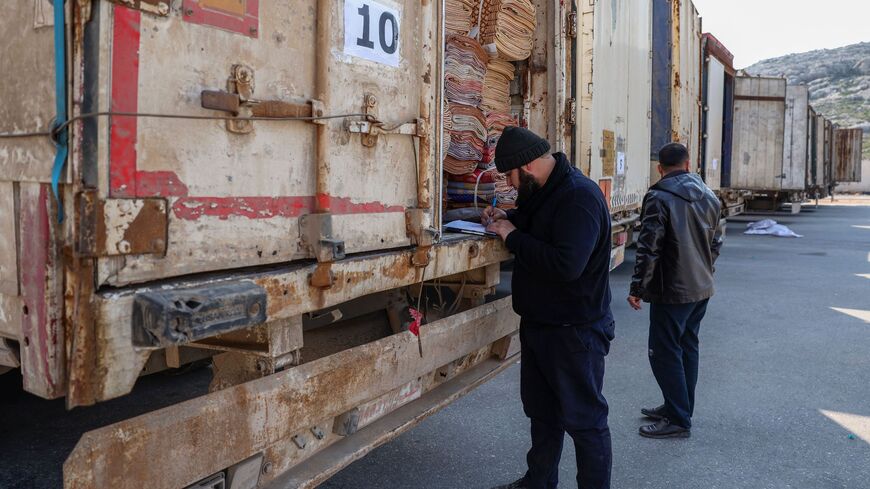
(518, 146)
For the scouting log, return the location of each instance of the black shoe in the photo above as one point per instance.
(654, 413)
(664, 429)
(517, 484)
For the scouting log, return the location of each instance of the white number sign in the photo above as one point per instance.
(371, 31)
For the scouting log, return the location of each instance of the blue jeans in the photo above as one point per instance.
(561, 376)
(673, 356)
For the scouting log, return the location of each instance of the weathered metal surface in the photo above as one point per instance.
(187, 442)
(848, 145)
(620, 123)
(120, 226)
(8, 240)
(27, 90)
(10, 316)
(8, 355)
(327, 462)
(42, 334)
(289, 295)
(794, 158)
(759, 129)
(171, 317)
(238, 197)
(155, 7)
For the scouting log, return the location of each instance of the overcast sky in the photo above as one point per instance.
(759, 29)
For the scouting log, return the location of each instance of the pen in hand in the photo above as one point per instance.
(489, 219)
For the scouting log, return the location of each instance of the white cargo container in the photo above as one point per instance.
(615, 132)
(759, 129)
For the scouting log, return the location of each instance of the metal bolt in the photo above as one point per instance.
(244, 75)
(371, 101)
(188, 11)
(300, 441)
(261, 366)
(163, 9)
(252, 30)
(254, 309)
(318, 433)
(124, 246)
(267, 467)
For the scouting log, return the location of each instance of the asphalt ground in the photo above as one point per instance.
(783, 399)
(775, 358)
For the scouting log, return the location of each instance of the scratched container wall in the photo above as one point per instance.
(759, 128)
(31, 331)
(794, 158)
(234, 200)
(848, 144)
(621, 75)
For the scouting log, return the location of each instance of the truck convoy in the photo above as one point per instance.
(266, 185)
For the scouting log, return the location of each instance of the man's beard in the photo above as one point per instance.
(528, 186)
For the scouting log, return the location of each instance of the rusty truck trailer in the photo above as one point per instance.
(259, 183)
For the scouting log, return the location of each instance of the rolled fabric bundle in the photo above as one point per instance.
(508, 28)
(495, 124)
(467, 139)
(460, 16)
(459, 167)
(464, 70)
(496, 86)
(472, 178)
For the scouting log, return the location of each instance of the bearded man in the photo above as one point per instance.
(560, 237)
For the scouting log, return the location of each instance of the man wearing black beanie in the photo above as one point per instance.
(560, 237)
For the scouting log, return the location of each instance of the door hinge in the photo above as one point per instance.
(156, 7)
(571, 111)
(571, 25)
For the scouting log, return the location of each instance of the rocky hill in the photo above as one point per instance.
(839, 81)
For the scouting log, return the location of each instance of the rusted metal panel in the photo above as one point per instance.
(794, 164)
(848, 145)
(42, 333)
(329, 461)
(289, 295)
(27, 90)
(759, 129)
(120, 226)
(188, 441)
(238, 197)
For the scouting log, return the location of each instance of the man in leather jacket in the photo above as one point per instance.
(679, 242)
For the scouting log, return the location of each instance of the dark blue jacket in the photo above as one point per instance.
(562, 249)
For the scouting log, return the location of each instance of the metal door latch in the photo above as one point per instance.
(238, 100)
(371, 128)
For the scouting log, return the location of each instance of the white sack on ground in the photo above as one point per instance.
(770, 227)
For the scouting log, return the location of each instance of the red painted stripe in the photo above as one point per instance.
(192, 208)
(125, 94)
(34, 262)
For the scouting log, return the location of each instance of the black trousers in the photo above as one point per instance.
(673, 356)
(562, 374)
